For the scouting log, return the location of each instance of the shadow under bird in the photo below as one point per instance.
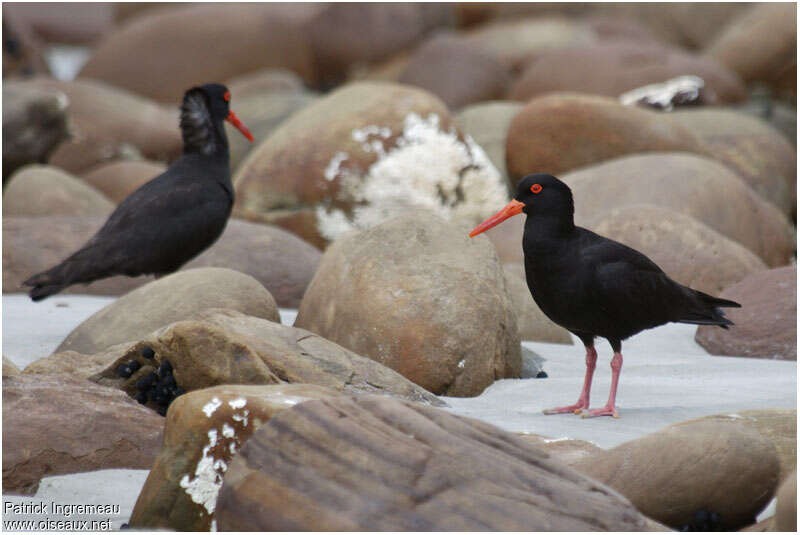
(594, 286)
(170, 219)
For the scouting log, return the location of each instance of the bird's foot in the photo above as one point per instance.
(577, 408)
(608, 410)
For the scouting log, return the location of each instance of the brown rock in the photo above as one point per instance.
(108, 122)
(779, 426)
(167, 300)
(22, 49)
(760, 44)
(264, 113)
(689, 251)
(417, 295)
(162, 53)
(456, 71)
(73, 23)
(786, 508)
(34, 123)
(761, 156)
(54, 424)
(515, 42)
(77, 364)
(569, 451)
(385, 149)
(487, 123)
(41, 190)
(352, 464)
(9, 368)
(722, 467)
(346, 35)
(560, 132)
(766, 325)
(264, 81)
(614, 67)
(120, 178)
(705, 190)
(281, 262)
(205, 429)
(221, 346)
(532, 323)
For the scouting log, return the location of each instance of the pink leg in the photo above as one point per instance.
(610, 409)
(583, 400)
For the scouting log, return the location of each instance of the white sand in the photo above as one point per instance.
(666, 378)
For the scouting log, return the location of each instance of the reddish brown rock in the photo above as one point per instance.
(456, 71)
(34, 123)
(23, 53)
(107, 122)
(689, 251)
(561, 132)
(120, 178)
(40, 190)
(761, 45)
(756, 151)
(162, 53)
(54, 424)
(707, 190)
(404, 294)
(766, 325)
(73, 23)
(204, 431)
(725, 468)
(385, 149)
(372, 463)
(612, 68)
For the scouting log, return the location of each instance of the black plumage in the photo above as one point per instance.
(170, 219)
(594, 286)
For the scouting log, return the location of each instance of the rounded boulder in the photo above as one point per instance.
(417, 295)
(40, 190)
(118, 179)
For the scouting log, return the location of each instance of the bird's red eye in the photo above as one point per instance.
(227, 96)
(536, 188)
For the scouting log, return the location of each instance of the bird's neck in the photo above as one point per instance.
(544, 232)
(206, 139)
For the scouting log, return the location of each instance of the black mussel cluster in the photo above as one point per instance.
(157, 386)
(703, 520)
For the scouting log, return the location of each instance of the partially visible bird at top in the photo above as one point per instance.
(172, 218)
(593, 286)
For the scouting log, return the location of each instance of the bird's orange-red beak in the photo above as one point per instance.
(231, 118)
(511, 209)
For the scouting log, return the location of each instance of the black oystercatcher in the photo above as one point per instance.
(169, 220)
(593, 286)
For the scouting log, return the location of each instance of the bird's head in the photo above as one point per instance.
(204, 108)
(539, 194)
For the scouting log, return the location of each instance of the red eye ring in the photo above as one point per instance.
(536, 188)
(227, 96)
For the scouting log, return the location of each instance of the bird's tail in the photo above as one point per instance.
(708, 310)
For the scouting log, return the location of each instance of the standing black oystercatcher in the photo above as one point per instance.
(593, 286)
(169, 220)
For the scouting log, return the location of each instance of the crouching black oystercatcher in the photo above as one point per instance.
(170, 219)
(593, 286)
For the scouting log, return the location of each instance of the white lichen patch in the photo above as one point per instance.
(228, 431)
(550, 440)
(237, 403)
(241, 418)
(211, 406)
(204, 487)
(426, 167)
(335, 166)
(461, 363)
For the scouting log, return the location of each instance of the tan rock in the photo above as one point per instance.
(204, 430)
(54, 424)
(118, 179)
(351, 464)
(786, 508)
(419, 296)
(42, 190)
(721, 467)
(766, 325)
(222, 346)
(264, 81)
(167, 300)
(9, 368)
(689, 251)
(566, 450)
(162, 53)
(532, 323)
(692, 185)
(77, 364)
(385, 149)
